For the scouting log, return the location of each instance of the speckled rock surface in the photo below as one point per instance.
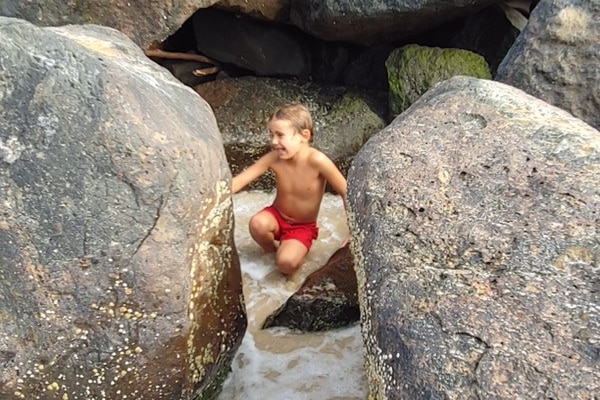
(118, 274)
(557, 57)
(343, 120)
(475, 220)
(143, 21)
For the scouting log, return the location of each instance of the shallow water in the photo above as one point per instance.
(278, 363)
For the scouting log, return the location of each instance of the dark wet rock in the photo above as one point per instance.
(368, 69)
(119, 277)
(371, 22)
(267, 50)
(326, 300)
(329, 61)
(475, 219)
(267, 10)
(490, 33)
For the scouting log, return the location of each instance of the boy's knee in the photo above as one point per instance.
(286, 265)
(258, 224)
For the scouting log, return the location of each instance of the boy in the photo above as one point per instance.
(301, 173)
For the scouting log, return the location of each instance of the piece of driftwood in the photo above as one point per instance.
(158, 53)
(205, 71)
(327, 300)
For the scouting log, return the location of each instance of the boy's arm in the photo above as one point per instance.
(335, 178)
(332, 174)
(261, 166)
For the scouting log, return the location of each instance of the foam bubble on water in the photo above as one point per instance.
(279, 363)
(257, 269)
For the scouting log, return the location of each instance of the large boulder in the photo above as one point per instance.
(371, 22)
(144, 21)
(151, 21)
(556, 58)
(475, 219)
(119, 276)
(344, 120)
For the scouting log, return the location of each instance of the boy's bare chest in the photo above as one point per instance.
(298, 179)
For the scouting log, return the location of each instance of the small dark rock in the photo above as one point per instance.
(327, 300)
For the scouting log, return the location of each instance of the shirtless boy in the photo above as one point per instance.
(301, 173)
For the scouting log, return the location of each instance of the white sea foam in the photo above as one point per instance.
(279, 363)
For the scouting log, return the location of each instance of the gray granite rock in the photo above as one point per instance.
(557, 57)
(119, 275)
(475, 220)
(144, 21)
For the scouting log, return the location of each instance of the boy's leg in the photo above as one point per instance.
(290, 255)
(263, 229)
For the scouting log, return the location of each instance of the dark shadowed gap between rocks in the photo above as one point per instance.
(230, 45)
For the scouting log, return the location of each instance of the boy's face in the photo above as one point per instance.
(285, 139)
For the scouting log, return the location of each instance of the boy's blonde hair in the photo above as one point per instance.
(297, 114)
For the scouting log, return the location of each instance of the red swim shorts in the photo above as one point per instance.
(305, 233)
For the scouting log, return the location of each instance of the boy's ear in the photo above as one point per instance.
(305, 134)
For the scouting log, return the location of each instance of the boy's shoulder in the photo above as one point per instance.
(270, 157)
(316, 155)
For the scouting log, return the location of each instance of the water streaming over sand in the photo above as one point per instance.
(279, 364)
